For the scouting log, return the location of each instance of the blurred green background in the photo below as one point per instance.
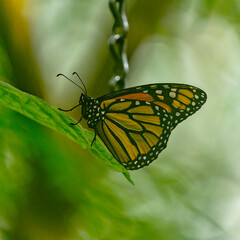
(51, 189)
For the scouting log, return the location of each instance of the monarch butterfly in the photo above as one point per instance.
(135, 123)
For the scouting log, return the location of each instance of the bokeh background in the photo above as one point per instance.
(51, 189)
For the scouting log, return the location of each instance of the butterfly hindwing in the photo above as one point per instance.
(135, 132)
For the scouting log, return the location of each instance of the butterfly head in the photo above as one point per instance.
(83, 99)
(91, 110)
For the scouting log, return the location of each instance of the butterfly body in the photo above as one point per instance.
(91, 110)
(135, 123)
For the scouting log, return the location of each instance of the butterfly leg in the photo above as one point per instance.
(73, 124)
(68, 110)
(94, 138)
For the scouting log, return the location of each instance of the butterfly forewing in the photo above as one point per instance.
(180, 100)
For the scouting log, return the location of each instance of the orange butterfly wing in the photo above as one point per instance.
(139, 120)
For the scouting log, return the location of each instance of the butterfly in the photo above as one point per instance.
(135, 123)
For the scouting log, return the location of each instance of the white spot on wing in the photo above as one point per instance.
(172, 94)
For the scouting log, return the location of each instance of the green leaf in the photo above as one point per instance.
(41, 112)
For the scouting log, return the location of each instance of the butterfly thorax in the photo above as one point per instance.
(91, 110)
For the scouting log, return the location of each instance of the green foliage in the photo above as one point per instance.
(41, 112)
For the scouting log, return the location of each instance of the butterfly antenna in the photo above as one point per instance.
(81, 81)
(60, 74)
